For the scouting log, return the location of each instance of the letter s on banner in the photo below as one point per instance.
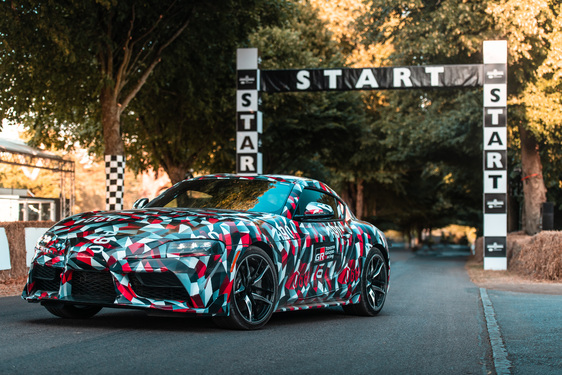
(303, 79)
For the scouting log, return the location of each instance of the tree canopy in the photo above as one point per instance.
(190, 126)
(432, 126)
(156, 81)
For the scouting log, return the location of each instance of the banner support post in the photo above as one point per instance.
(248, 116)
(495, 155)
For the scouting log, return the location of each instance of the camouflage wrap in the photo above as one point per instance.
(119, 258)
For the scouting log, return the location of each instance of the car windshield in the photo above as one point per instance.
(231, 194)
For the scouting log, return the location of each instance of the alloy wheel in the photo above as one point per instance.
(254, 292)
(376, 281)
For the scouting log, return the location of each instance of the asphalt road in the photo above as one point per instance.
(531, 327)
(432, 323)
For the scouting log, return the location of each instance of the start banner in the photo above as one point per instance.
(343, 79)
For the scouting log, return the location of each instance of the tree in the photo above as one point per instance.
(41, 183)
(438, 32)
(533, 29)
(365, 172)
(180, 120)
(325, 134)
(397, 163)
(435, 141)
(183, 120)
(306, 133)
(65, 64)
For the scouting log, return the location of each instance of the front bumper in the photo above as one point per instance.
(198, 285)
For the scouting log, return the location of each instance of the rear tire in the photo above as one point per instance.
(254, 292)
(70, 311)
(374, 285)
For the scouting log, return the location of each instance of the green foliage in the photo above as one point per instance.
(416, 153)
(431, 139)
(183, 119)
(57, 56)
(58, 60)
(425, 129)
(533, 29)
(42, 70)
(428, 31)
(306, 133)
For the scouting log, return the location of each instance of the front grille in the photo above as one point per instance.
(158, 286)
(91, 286)
(46, 278)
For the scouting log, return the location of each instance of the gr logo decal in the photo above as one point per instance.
(324, 253)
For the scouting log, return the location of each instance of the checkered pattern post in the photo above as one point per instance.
(114, 181)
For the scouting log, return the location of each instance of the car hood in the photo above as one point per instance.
(153, 220)
(135, 231)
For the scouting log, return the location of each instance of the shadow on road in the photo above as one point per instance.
(140, 320)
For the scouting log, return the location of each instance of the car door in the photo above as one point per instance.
(327, 240)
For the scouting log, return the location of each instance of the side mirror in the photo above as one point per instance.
(316, 210)
(140, 203)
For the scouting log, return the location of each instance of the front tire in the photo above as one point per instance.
(374, 285)
(254, 292)
(72, 311)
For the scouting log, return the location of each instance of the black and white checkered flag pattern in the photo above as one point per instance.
(114, 181)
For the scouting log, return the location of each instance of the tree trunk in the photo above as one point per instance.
(419, 235)
(349, 195)
(409, 236)
(111, 123)
(176, 173)
(534, 190)
(359, 201)
(114, 152)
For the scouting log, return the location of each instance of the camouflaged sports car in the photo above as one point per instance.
(233, 247)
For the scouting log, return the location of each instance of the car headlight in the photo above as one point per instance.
(49, 243)
(45, 239)
(193, 248)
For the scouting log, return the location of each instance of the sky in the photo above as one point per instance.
(10, 131)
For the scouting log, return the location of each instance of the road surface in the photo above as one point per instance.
(433, 322)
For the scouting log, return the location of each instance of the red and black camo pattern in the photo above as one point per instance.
(318, 264)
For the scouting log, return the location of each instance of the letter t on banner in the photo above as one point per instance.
(248, 116)
(495, 155)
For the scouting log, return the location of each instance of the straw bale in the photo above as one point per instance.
(516, 241)
(15, 233)
(540, 256)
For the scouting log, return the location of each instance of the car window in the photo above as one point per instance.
(309, 195)
(232, 194)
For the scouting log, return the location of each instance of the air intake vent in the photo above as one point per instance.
(88, 286)
(160, 286)
(46, 278)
